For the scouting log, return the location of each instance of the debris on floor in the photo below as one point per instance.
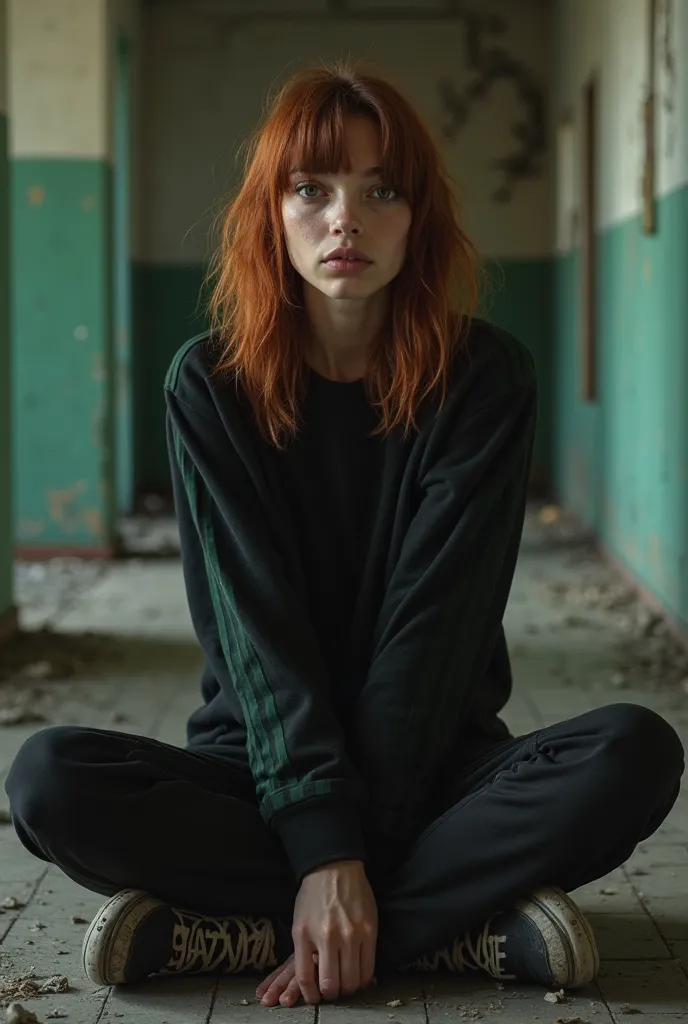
(16, 1014)
(29, 986)
(153, 535)
(648, 654)
(556, 997)
(20, 714)
(42, 654)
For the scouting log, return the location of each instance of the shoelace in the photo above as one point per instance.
(230, 944)
(481, 954)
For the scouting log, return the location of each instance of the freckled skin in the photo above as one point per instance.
(347, 209)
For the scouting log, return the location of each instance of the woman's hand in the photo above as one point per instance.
(335, 923)
(281, 986)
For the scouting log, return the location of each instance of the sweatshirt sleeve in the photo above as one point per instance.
(272, 673)
(443, 607)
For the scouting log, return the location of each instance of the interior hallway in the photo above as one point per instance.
(579, 640)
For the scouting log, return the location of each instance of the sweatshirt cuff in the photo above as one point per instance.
(320, 832)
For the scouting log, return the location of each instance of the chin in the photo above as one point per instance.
(350, 289)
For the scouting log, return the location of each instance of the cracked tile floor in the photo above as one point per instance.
(579, 639)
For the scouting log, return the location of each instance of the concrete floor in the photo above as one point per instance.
(579, 640)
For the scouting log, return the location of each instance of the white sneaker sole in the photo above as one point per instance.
(107, 942)
(570, 941)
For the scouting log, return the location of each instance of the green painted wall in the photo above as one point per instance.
(62, 352)
(5, 492)
(169, 309)
(519, 299)
(622, 462)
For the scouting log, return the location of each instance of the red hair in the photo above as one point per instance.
(256, 304)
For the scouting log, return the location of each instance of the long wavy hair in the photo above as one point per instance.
(256, 301)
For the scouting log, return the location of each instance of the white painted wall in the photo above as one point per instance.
(3, 59)
(58, 78)
(609, 38)
(125, 18)
(207, 73)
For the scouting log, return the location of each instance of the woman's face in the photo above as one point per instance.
(356, 210)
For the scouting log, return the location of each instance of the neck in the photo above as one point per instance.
(342, 332)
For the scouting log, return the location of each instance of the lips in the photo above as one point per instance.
(347, 253)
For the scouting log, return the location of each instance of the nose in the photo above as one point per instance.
(345, 219)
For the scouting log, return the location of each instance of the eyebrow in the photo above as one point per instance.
(371, 172)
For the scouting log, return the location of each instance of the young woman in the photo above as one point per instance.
(350, 451)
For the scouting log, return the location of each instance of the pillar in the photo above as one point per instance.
(6, 610)
(60, 69)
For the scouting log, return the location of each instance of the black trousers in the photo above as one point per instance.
(560, 806)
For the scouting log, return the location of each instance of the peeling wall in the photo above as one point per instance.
(61, 296)
(5, 482)
(478, 75)
(58, 78)
(622, 460)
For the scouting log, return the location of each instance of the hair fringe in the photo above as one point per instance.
(255, 306)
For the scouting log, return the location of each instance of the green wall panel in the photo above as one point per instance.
(622, 462)
(170, 308)
(5, 476)
(519, 299)
(62, 353)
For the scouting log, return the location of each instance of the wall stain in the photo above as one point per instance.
(489, 65)
(98, 368)
(667, 60)
(62, 503)
(88, 203)
(30, 528)
(36, 195)
(93, 521)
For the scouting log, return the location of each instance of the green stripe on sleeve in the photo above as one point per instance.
(266, 744)
(175, 366)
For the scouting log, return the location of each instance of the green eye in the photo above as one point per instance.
(312, 195)
(386, 188)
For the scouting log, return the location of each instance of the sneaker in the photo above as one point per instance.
(134, 935)
(544, 939)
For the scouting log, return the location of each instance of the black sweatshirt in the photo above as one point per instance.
(348, 591)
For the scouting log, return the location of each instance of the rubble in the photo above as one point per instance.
(16, 1014)
(41, 655)
(556, 997)
(57, 983)
(28, 986)
(20, 715)
(648, 654)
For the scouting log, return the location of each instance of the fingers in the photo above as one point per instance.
(368, 951)
(270, 996)
(267, 982)
(305, 967)
(328, 967)
(350, 968)
(291, 994)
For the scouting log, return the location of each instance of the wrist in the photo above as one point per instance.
(339, 865)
